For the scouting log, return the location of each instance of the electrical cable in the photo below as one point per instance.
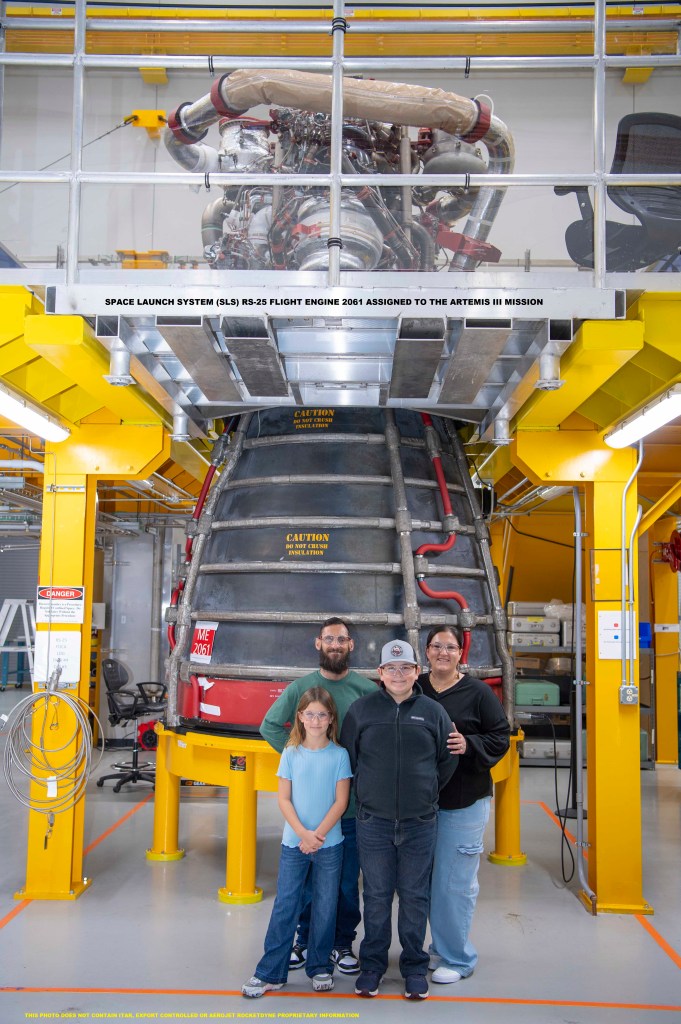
(562, 818)
(28, 754)
(123, 124)
(532, 536)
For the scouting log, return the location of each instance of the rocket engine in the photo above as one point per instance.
(388, 228)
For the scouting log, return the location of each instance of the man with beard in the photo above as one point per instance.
(335, 645)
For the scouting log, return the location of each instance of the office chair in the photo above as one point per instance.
(646, 144)
(127, 705)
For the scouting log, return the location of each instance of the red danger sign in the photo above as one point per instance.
(61, 593)
(202, 642)
(60, 604)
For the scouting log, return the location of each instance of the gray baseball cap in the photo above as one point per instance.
(398, 650)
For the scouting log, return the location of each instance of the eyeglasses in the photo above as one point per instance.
(449, 648)
(316, 716)
(342, 640)
(395, 670)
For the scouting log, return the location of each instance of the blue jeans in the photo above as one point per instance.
(348, 914)
(395, 857)
(455, 887)
(323, 868)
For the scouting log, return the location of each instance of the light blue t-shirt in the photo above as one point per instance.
(313, 775)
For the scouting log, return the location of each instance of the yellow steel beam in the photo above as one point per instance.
(68, 343)
(656, 364)
(568, 456)
(15, 304)
(14, 354)
(661, 506)
(54, 863)
(39, 380)
(660, 313)
(269, 39)
(74, 404)
(613, 733)
(632, 387)
(599, 350)
(189, 459)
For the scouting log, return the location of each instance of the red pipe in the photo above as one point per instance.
(446, 595)
(196, 514)
(174, 600)
(195, 709)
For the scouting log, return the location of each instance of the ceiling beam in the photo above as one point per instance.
(599, 351)
(69, 344)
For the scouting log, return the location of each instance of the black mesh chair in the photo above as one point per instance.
(645, 144)
(128, 705)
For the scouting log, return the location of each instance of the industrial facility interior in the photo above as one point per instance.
(242, 391)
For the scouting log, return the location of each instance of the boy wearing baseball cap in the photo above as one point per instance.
(397, 742)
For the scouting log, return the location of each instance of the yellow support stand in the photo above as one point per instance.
(245, 766)
(54, 866)
(506, 778)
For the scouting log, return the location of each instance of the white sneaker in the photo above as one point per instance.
(444, 975)
(256, 987)
(322, 982)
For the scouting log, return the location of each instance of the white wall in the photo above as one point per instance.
(550, 117)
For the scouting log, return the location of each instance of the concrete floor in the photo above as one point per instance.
(151, 940)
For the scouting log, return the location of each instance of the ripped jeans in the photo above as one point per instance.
(454, 887)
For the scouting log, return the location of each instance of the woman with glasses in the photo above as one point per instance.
(480, 738)
(314, 788)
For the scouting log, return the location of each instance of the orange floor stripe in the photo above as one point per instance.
(643, 921)
(344, 995)
(129, 814)
(662, 943)
(13, 913)
(555, 819)
(133, 810)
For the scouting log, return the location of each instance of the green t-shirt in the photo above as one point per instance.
(344, 692)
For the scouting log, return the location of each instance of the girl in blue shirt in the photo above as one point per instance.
(314, 788)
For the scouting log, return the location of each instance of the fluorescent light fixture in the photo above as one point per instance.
(26, 415)
(664, 409)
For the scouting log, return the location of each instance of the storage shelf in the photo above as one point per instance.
(544, 762)
(555, 709)
(531, 649)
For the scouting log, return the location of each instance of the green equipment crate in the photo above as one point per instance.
(537, 691)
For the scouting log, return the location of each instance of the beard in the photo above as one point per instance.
(334, 661)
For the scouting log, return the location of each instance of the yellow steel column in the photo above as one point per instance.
(613, 741)
(613, 749)
(55, 854)
(506, 776)
(241, 831)
(665, 613)
(54, 868)
(166, 806)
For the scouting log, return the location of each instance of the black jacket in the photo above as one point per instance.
(478, 715)
(398, 754)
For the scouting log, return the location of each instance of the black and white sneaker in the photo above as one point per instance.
(345, 960)
(298, 957)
